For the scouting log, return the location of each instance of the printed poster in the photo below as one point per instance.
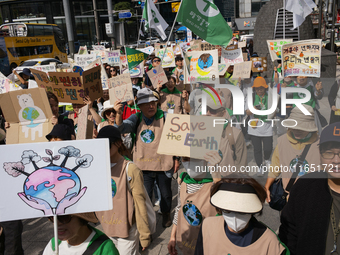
(274, 47)
(42, 179)
(120, 88)
(302, 58)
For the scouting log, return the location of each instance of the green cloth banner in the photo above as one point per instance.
(134, 57)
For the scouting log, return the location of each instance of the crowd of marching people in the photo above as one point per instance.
(216, 211)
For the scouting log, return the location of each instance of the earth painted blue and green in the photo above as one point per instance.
(170, 104)
(205, 61)
(114, 187)
(30, 113)
(147, 136)
(304, 167)
(192, 214)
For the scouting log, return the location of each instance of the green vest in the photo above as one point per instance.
(312, 100)
(263, 102)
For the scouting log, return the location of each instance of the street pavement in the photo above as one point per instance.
(38, 232)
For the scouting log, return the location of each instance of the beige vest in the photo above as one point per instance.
(215, 241)
(117, 222)
(171, 101)
(287, 153)
(187, 233)
(145, 155)
(103, 124)
(226, 94)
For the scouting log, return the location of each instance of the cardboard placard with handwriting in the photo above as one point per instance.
(242, 44)
(28, 112)
(85, 124)
(189, 136)
(120, 88)
(113, 57)
(259, 64)
(231, 57)
(157, 76)
(242, 70)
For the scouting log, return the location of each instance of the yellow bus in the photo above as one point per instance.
(22, 41)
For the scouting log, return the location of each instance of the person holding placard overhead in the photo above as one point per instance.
(127, 223)
(172, 100)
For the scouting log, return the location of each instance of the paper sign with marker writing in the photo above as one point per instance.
(84, 60)
(113, 57)
(101, 54)
(231, 57)
(275, 46)
(242, 70)
(157, 76)
(83, 50)
(46, 68)
(138, 71)
(7, 85)
(242, 44)
(189, 136)
(98, 47)
(120, 88)
(222, 68)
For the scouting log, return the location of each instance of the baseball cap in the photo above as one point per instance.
(110, 132)
(145, 95)
(331, 133)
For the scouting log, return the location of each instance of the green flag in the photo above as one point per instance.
(205, 20)
(134, 57)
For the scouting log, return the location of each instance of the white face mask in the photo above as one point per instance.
(236, 221)
(190, 166)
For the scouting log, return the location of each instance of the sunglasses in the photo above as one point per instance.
(112, 70)
(156, 60)
(110, 111)
(64, 219)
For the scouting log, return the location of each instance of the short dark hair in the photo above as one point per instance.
(329, 145)
(51, 95)
(155, 58)
(178, 58)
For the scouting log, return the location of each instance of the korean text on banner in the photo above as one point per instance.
(242, 70)
(189, 136)
(274, 47)
(231, 57)
(203, 66)
(302, 58)
(113, 57)
(120, 88)
(134, 57)
(157, 76)
(40, 178)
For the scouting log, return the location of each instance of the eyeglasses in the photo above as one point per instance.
(329, 155)
(64, 219)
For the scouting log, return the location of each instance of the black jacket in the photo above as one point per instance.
(305, 218)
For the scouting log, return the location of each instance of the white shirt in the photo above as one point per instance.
(66, 249)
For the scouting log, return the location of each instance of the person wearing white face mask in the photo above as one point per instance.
(237, 231)
(193, 206)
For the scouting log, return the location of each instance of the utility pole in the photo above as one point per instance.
(335, 9)
(111, 20)
(69, 27)
(96, 21)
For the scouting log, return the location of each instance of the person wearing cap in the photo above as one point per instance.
(108, 114)
(195, 187)
(259, 129)
(76, 236)
(128, 198)
(101, 100)
(171, 99)
(148, 126)
(23, 77)
(291, 145)
(60, 132)
(236, 230)
(310, 219)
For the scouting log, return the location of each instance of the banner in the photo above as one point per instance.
(120, 88)
(259, 64)
(189, 136)
(169, 57)
(42, 179)
(275, 46)
(231, 57)
(113, 57)
(46, 68)
(7, 85)
(138, 71)
(134, 57)
(84, 60)
(203, 66)
(124, 68)
(302, 58)
(157, 76)
(242, 70)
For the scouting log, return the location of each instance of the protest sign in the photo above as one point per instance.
(40, 178)
(203, 66)
(113, 57)
(168, 58)
(242, 44)
(195, 45)
(242, 70)
(98, 47)
(157, 76)
(138, 71)
(7, 85)
(189, 136)
(28, 112)
(120, 88)
(84, 60)
(302, 58)
(101, 54)
(82, 50)
(231, 47)
(103, 75)
(46, 68)
(177, 50)
(207, 46)
(222, 68)
(32, 84)
(147, 50)
(124, 67)
(245, 56)
(71, 87)
(231, 57)
(85, 124)
(274, 47)
(259, 64)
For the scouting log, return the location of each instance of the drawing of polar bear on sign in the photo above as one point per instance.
(30, 116)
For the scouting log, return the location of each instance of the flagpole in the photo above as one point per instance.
(284, 19)
(140, 27)
(172, 28)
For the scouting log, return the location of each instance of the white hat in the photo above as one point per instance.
(107, 106)
(302, 121)
(145, 95)
(237, 197)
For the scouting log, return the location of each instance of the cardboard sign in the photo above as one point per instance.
(157, 76)
(7, 85)
(222, 68)
(28, 112)
(113, 57)
(83, 50)
(85, 124)
(242, 70)
(245, 56)
(66, 177)
(84, 60)
(231, 57)
(138, 71)
(189, 136)
(242, 44)
(120, 88)
(302, 58)
(124, 68)
(231, 47)
(71, 87)
(168, 58)
(275, 46)
(259, 64)
(103, 77)
(207, 46)
(204, 66)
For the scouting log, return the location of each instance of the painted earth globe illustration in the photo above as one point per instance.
(147, 136)
(205, 61)
(30, 113)
(192, 214)
(304, 166)
(114, 187)
(52, 184)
